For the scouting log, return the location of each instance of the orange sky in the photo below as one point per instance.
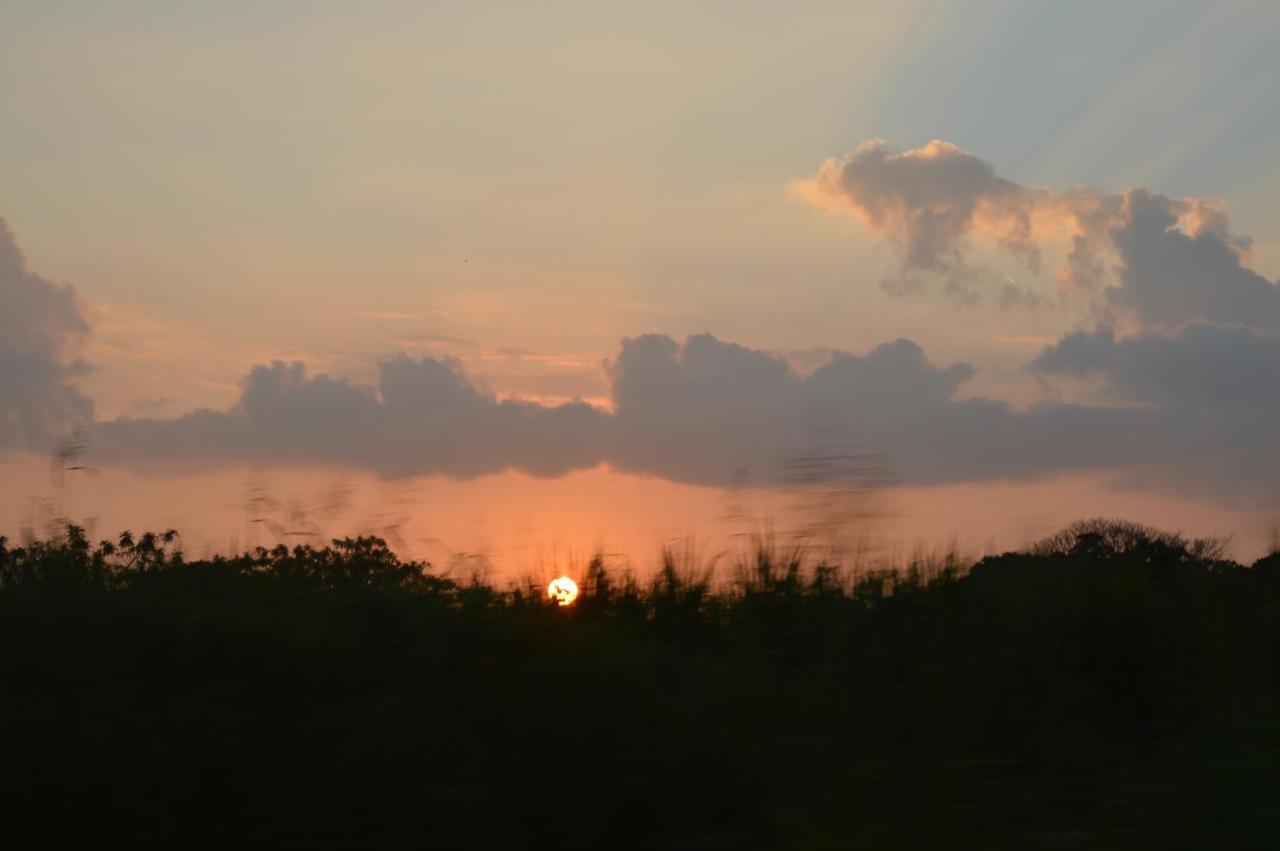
(522, 524)
(1067, 215)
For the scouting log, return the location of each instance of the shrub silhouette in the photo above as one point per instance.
(1102, 537)
(1114, 687)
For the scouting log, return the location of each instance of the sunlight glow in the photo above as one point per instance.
(563, 590)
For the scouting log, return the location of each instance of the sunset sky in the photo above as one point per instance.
(528, 279)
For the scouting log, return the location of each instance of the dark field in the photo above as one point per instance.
(1115, 688)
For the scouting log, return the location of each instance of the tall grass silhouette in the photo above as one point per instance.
(1112, 687)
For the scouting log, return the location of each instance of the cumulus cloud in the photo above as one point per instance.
(424, 416)
(704, 411)
(1204, 367)
(1207, 396)
(699, 411)
(927, 201)
(42, 325)
(1153, 260)
(1180, 262)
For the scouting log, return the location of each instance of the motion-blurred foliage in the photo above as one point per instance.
(1114, 687)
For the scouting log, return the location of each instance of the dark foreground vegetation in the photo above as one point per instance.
(1113, 688)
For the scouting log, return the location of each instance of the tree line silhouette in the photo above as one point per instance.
(1111, 687)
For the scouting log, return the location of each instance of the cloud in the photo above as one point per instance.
(704, 411)
(42, 326)
(1204, 367)
(1179, 262)
(927, 201)
(1192, 397)
(424, 416)
(700, 411)
(1149, 259)
(1207, 398)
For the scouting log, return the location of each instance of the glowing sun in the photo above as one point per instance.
(563, 590)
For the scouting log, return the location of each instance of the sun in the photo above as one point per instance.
(563, 590)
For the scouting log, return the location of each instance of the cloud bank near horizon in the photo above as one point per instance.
(707, 412)
(1184, 363)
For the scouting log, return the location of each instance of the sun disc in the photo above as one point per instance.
(563, 590)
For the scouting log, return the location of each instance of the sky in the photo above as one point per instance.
(528, 279)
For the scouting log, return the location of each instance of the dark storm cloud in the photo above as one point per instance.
(41, 327)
